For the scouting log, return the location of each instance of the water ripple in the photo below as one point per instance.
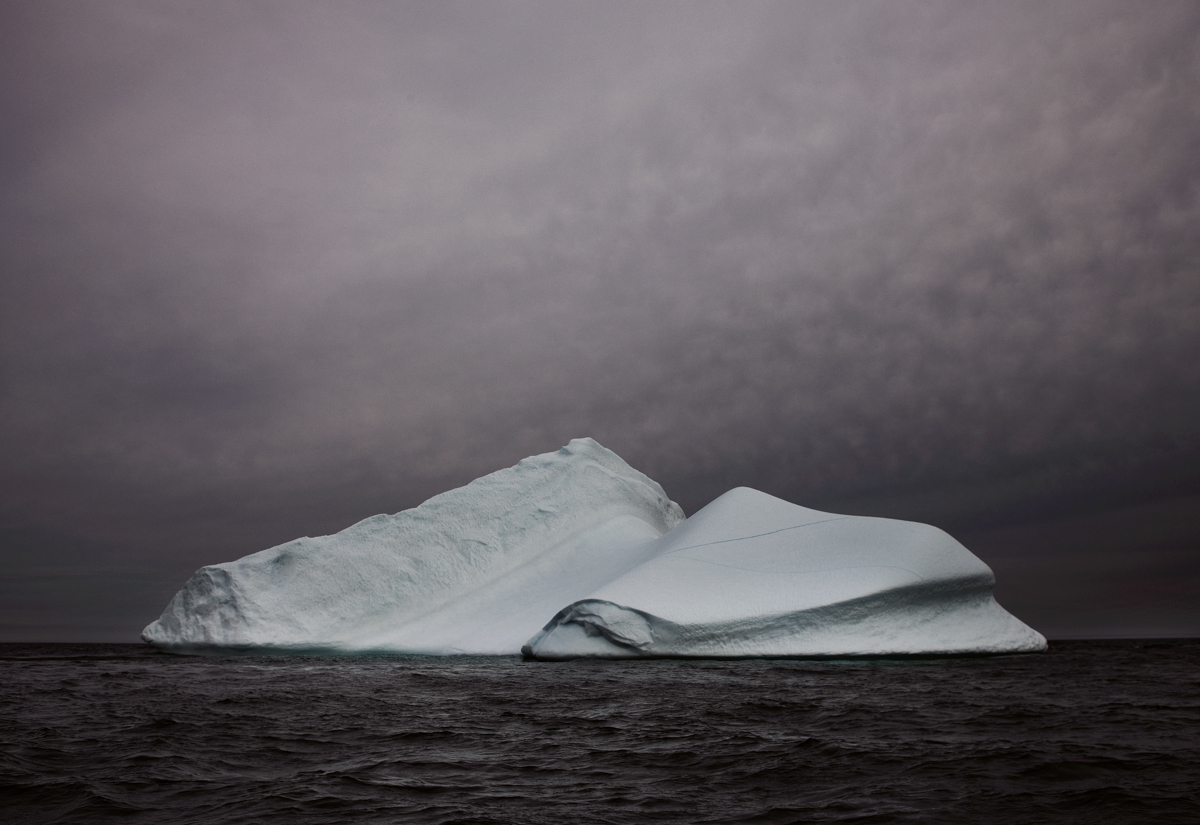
(1088, 732)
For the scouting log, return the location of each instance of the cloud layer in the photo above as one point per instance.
(269, 269)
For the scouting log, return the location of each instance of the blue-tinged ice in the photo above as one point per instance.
(476, 570)
(576, 554)
(751, 575)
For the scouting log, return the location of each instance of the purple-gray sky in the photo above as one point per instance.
(267, 268)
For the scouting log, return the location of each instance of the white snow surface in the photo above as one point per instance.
(476, 570)
(751, 575)
(581, 539)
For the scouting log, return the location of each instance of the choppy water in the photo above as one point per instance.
(1091, 732)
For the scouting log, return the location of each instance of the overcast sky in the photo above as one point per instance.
(268, 268)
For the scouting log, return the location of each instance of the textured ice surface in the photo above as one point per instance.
(581, 539)
(476, 570)
(752, 575)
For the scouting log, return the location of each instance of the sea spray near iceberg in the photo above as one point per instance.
(581, 540)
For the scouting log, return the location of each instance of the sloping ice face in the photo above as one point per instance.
(751, 575)
(581, 539)
(476, 570)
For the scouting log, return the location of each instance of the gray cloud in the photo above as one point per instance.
(272, 268)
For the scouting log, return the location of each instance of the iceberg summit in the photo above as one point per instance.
(576, 554)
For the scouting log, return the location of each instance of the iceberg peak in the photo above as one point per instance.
(477, 569)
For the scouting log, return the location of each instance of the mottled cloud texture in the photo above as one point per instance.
(269, 268)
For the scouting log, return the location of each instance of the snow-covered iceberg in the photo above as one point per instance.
(752, 575)
(476, 570)
(583, 540)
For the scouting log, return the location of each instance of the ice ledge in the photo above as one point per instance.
(921, 620)
(751, 575)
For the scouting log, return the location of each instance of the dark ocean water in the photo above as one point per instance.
(1091, 732)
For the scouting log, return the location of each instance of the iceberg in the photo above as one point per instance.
(576, 554)
(475, 570)
(751, 575)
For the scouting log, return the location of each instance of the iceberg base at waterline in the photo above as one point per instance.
(575, 554)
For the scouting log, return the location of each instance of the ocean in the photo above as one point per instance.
(1089, 732)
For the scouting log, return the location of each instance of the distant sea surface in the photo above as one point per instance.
(1090, 732)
